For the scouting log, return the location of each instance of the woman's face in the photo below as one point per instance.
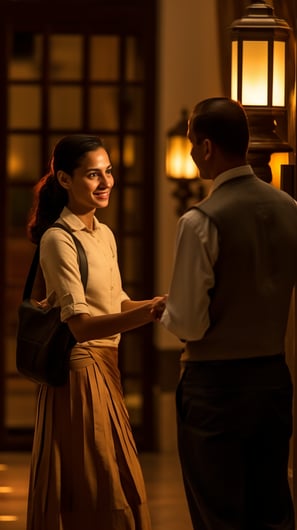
(91, 183)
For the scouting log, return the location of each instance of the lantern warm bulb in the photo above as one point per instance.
(254, 73)
(179, 163)
(276, 162)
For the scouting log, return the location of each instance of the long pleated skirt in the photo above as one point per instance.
(85, 473)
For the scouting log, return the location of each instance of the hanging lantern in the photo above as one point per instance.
(259, 61)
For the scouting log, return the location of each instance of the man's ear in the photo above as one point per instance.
(64, 179)
(208, 147)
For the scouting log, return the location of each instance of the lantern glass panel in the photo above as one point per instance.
(278, 88)
(255, 73)
(234, 71)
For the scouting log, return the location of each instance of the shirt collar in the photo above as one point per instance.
(74, 222)
(235, 172)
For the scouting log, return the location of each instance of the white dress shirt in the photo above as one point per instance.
(186, 314)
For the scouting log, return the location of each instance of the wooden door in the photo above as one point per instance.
(86, 70)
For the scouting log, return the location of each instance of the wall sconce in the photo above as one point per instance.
(259, 80)
(180, 167)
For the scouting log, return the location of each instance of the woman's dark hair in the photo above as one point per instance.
(49, 197)
(223, 121)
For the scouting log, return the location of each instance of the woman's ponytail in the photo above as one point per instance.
(49, 196)
(48, 202)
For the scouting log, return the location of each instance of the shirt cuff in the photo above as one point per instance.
(72, 309)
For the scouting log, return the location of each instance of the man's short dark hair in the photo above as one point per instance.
(224, 122)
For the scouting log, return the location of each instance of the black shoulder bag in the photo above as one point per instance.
(43, 342)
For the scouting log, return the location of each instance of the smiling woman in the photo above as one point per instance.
(88, 468)
(90, 185)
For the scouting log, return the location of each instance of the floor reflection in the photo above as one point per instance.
(162, 476)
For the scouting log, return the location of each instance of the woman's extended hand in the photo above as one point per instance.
(159, 304)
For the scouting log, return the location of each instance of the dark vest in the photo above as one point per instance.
(255, 272)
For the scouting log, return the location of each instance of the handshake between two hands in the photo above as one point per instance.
(158, 306)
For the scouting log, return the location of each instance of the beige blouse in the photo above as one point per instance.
(58, 260)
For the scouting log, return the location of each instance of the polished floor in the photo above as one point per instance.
(162, 476)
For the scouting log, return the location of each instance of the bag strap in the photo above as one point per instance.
(81, 258)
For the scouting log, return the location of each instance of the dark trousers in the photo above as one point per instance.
(234, 424)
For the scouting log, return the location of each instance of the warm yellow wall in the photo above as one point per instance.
(188, 71)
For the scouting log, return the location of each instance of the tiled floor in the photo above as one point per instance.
(162, 476)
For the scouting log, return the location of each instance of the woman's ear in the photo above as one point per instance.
(64, 179)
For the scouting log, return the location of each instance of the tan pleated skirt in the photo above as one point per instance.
(85, 473)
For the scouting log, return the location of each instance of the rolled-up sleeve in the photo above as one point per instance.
(60, 268)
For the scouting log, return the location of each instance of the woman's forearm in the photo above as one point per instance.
(128, 304)
(85, 327)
